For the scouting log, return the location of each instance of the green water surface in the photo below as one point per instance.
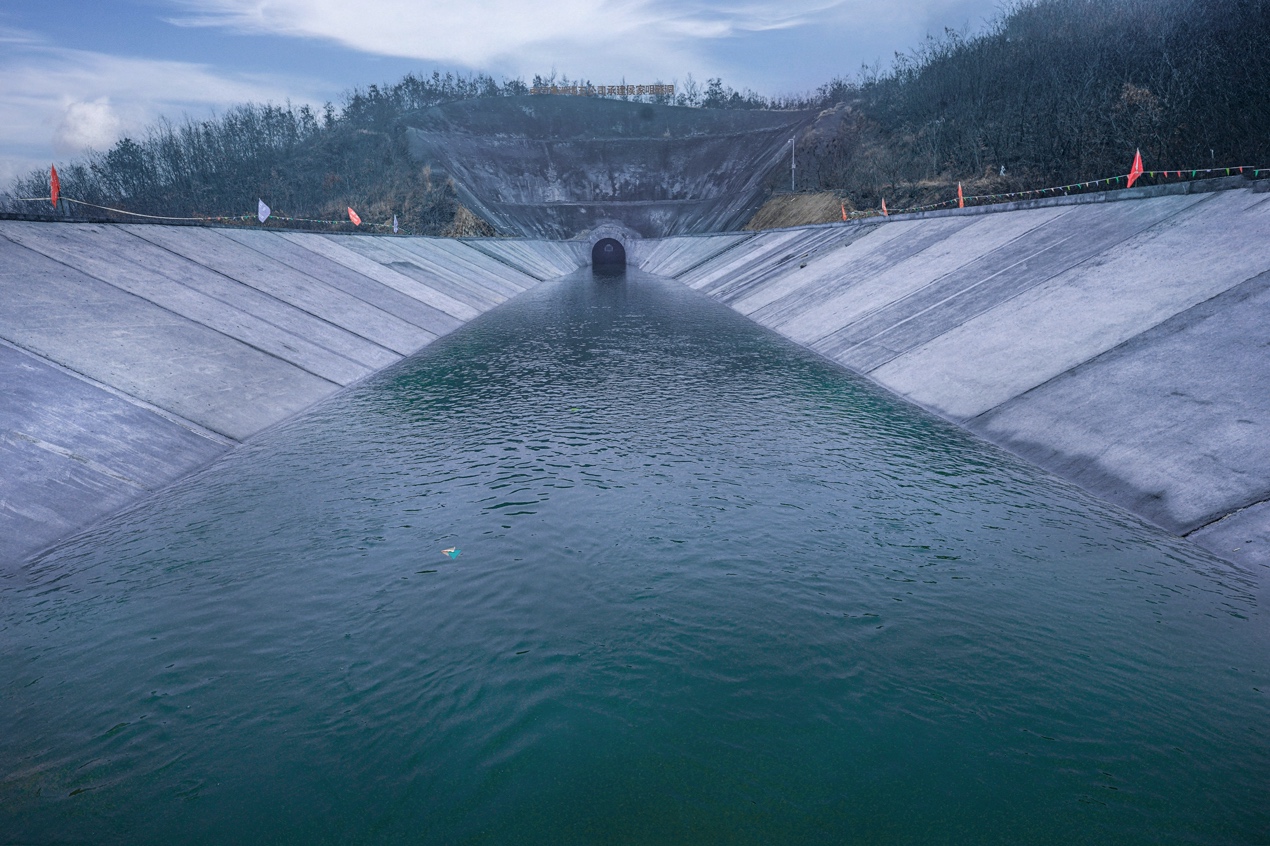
(711, 590)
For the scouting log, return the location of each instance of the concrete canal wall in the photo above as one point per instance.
(1121, 341)
(132, 355)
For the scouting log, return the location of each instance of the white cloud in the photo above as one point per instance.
(9, 35)
(650, 38)
(87, 124)
(57, 102)
(770, 45)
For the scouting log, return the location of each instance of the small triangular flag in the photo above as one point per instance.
(961, 200)
(1136, 170)
(262, 211)
(55, 185)
(885, 213)
(394, 224)
(352, 215)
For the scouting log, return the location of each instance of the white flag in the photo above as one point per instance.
(394, 224)
(262, 211)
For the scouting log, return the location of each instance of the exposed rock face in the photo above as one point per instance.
(554, 167)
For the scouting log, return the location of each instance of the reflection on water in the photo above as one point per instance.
(711, 590)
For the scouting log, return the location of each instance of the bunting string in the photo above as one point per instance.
(242, 218)
(1064, 190)
(960, 201)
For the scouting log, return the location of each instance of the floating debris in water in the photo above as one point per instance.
(453, 552)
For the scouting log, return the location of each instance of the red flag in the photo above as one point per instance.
(844, 210)
(885, 213)
(55, 186)
(961, 200)
(1136, 170)
(352, 215)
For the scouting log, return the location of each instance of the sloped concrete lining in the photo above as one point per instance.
(380, 336)
(1065, 242)
(72, 450)
(1084, 310)
(426, 317)
(1121, 341)
(147, 351)
(539, 259)
(736, 273)
(334, 250)
(676, 256)
(132, 355)
(113, 256)
(848, 291)
(1241, 536)
(1171, 423)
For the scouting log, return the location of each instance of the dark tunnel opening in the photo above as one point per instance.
(608, 256)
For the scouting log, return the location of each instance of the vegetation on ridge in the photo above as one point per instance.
(1052, 92)
(303, 164)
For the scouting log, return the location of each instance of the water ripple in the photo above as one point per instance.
(711, 589)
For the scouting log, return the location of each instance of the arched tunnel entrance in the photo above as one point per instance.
(608, 255)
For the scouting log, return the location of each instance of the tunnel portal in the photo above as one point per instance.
(608, 254)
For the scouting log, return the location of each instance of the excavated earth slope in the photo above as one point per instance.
(553, 167)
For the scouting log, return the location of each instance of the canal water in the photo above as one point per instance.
(708, 589)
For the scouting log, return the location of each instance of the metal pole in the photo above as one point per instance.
(792, 165)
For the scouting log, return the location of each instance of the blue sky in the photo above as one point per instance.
(79, 74)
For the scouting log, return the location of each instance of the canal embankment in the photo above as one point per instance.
(132, 355)
(1119, 340)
